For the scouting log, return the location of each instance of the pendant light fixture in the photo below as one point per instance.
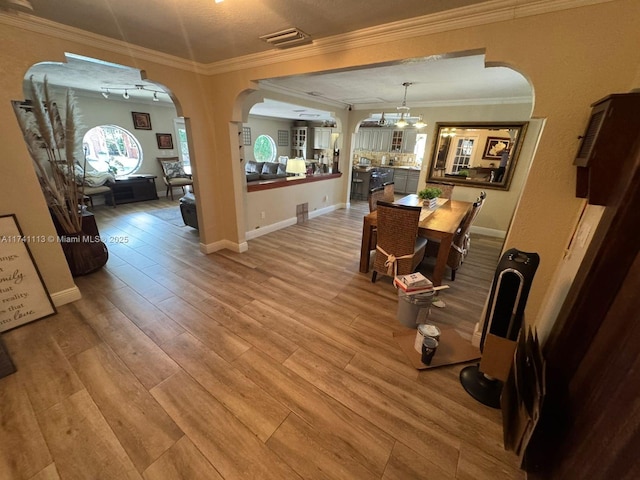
(420, 123)
(403, 108)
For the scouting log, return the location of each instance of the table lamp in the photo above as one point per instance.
(297, 166)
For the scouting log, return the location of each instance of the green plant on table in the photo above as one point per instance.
(429, 193)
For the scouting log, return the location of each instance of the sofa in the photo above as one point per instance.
(264, 170)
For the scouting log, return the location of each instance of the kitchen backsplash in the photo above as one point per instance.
(399, 159)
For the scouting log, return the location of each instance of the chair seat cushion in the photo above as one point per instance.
(95, 190)
(180, 182)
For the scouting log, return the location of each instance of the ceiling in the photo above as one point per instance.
(209, 32)
(206, 32)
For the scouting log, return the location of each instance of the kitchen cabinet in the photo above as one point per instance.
(300, 142)
(386, 140)
(322, 138)
(405, 180)
(409, 140)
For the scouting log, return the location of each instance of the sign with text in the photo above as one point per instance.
(23, 297)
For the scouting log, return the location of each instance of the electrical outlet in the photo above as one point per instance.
(325, 198)
(263, 215)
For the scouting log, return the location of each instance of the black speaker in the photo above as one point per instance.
(505, 311)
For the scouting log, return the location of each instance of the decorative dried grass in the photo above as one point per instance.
(53, 146)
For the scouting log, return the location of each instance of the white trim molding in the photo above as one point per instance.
(66, 296)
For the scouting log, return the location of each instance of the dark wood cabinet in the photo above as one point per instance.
(134, 189)
(604, 152)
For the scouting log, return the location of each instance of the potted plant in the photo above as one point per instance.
(429, 196)
(54, 145)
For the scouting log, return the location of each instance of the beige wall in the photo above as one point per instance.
(571, 58)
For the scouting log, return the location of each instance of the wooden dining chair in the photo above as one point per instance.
(399, 250)
(389, 192)
(461, 239)
(447, 188)
(375, 194)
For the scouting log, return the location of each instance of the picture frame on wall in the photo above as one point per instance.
(23, 296)
(283, 138)
(141, 121)
(494, 147)
(164, 140)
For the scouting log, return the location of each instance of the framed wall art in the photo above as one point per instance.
(494, 147)
(165, 140)
(23, 296)
(141, 121)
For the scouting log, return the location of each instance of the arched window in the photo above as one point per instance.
(109, 148)
(264, 150)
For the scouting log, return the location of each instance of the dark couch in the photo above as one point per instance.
(264, 170)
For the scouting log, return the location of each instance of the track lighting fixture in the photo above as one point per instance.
(106, 92)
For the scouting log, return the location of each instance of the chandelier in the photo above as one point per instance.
(405, 118)
(106, 91)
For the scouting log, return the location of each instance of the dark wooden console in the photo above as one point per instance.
(134, 189)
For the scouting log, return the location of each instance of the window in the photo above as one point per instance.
(264, 150)
(109, 148)
(183, 144)
(464, 149)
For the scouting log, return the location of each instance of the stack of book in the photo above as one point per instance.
(413, 283)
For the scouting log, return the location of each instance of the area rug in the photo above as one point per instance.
(170, 215)
(452, 348)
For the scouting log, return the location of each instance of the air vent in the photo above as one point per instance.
(287, 38)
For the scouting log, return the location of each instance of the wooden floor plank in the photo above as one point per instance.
(227, 444)
(398, 419)
(144, 358)
(251, 404)
(338, 427)
(304, 449)
(182, 461)
(48, 473)
(406, 464)
(81, 442)
(143, 428)
(23, 451)
(42, 366)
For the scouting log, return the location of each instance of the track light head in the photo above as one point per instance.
(106, 93)
(125, 95)
(155, 97)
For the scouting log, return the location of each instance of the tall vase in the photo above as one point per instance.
(84, 253)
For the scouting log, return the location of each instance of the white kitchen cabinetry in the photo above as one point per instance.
(386, 140)
(299, 141)
(409, 140)
(322, 138)
(406, 181)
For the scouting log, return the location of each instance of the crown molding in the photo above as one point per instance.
(463, 17)
(454, 19)
(41, 26)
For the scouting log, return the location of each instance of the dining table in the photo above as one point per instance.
(439, 223)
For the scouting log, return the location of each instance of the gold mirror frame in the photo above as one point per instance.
(483, 149)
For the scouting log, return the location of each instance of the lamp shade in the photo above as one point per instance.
(296, 166)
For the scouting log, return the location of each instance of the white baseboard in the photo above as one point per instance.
(221, 245)
(258, 232)
(66, 296)
(489, 232)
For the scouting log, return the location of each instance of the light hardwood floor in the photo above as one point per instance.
(278, 363)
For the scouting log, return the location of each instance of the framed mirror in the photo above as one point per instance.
(477, 154)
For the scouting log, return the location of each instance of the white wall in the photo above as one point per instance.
(96, 110)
